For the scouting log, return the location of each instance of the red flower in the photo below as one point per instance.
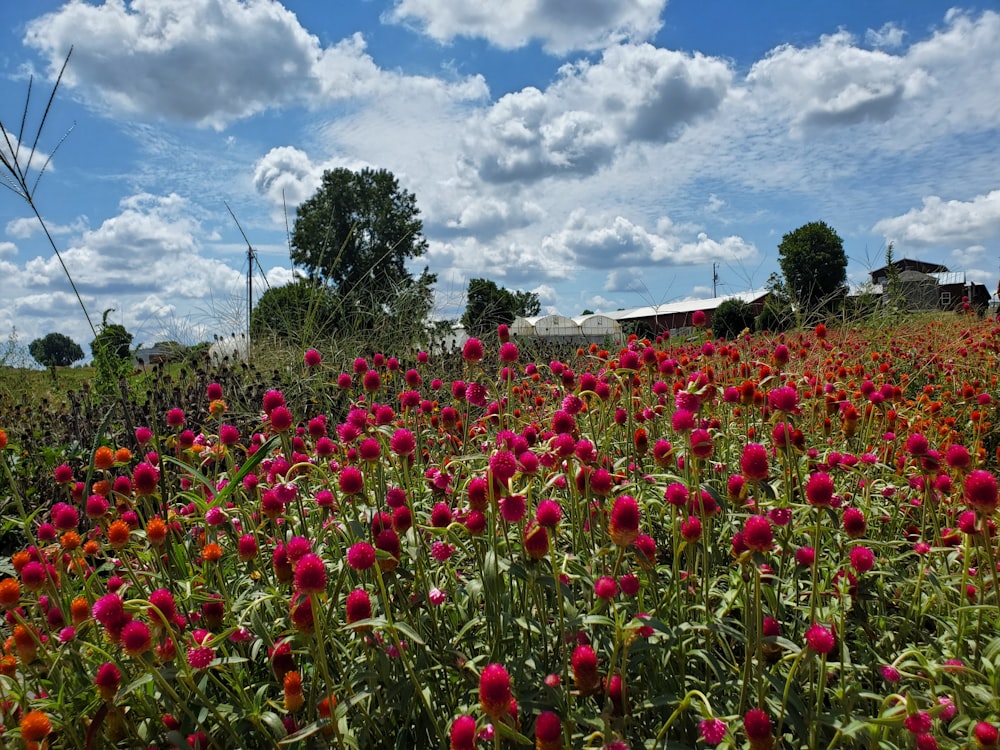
(757, 725)
(549, 513)
(310, 574)
(359, 606)
(854, 523)
(145, 478)
(757, 534)
(136, 638)
(494, 691)
(402, 443)
(820, 639)
(981, 491)
(548, 731)
(585, 674)
(361, 556)
(753, 462)
(624, 525)
(175, 418)
(351, 481)
(281, 418)
(536, 541)
(108, 680)
(472, 350)
(605, 587)
(986, 735)
(312, 358)
(819, 489)
(862, 559)
(463, 733)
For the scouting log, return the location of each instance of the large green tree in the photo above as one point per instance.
(300, 311)
(814, 265)
(55, 350)
(357, 234)
(489, 305)
(112, 350)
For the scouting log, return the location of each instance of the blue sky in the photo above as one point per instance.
(604, 158)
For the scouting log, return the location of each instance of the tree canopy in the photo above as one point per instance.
(487, 306)
(731, 317)
(301, 309)
(55, 350)
(814, 265)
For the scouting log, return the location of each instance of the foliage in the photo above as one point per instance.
(55, 350)
(777, 314)
(357, 233)
(300, 311)
(732, 317)
(814, 265)
(112, 351)
(488, 306)
(782, 541)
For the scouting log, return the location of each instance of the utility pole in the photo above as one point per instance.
(715, 279)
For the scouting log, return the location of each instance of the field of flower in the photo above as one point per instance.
(783, 541)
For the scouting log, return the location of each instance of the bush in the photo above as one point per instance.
(731, 318)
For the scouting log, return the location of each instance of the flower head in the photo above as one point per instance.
(494, 691)
(624, 524)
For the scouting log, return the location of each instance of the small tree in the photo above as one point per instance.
(487, 306)
(300, 312)
(814, 264)
(112, 350)
(357, 234)
(55, 350)
(731, 318)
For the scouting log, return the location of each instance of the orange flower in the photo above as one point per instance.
(35, 726)
(217, 407)
(101, 487)
(70, 541)
(20, 559)
(104, 458)
(156, 531)
(293, 692)
(8, 665)
(79, 610)
(118, 534)
(91, 547)
(26, 644)
(211, 552)
(10, 593)
(3, 440)
(123, 456)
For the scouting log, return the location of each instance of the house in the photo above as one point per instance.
(676, 317)
(931, 286)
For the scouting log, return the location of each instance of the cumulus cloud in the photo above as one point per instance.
(941, 222)
(888, 36)
(28, 226)
(491, 215)
(620, 243)
(210, 62)
(148, 261)
(559, 25)
(634, 93)
(8, 248)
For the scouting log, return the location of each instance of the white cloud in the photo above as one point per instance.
(888, 36)
(559, 25)
(635, 93)
(490, 215)
(7, 248)
(940, 222)
(210, 62)
(28, 226)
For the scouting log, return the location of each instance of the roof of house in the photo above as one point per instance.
(684, 306)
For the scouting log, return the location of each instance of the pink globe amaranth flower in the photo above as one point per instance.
(402, 442)
(351, 481)
(958, 457)
(981, 491)
(65, 517)
(862, 559)
(63, 474)
(472, 350)
(629, 584)
(890, 674)
(548, 513)
(682, 420)
(513, 508)
(698, 318)
(691, 529)
(371, 381)
(280, 418)
(819, 489)
(918, 723)
(145, 478)
(136, 638)
(494, 691)
(757, 725)
(805, 556)
(175, 417)
(310, 574)
(917, 445)
(359, 606)
(645, 545)
(986, 734)
(784, 399)
(585, 673)
(605, 587)
(312, 358)
(462, 735)
(701, 443)
(361, 556)
(108, 679)
(713, 731)
(753, 462)
(548, 731)
(369, 449)
(757, 534)
(563, 422)
(820, 639)
(503, 466)
(624, 523)
(143, 435)
(199, 657)
(213, 391)
(509, 352)
(164, 607)
(854, 523)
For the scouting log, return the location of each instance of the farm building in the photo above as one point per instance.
(931, 286)
(675, 317)
(584, 329)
